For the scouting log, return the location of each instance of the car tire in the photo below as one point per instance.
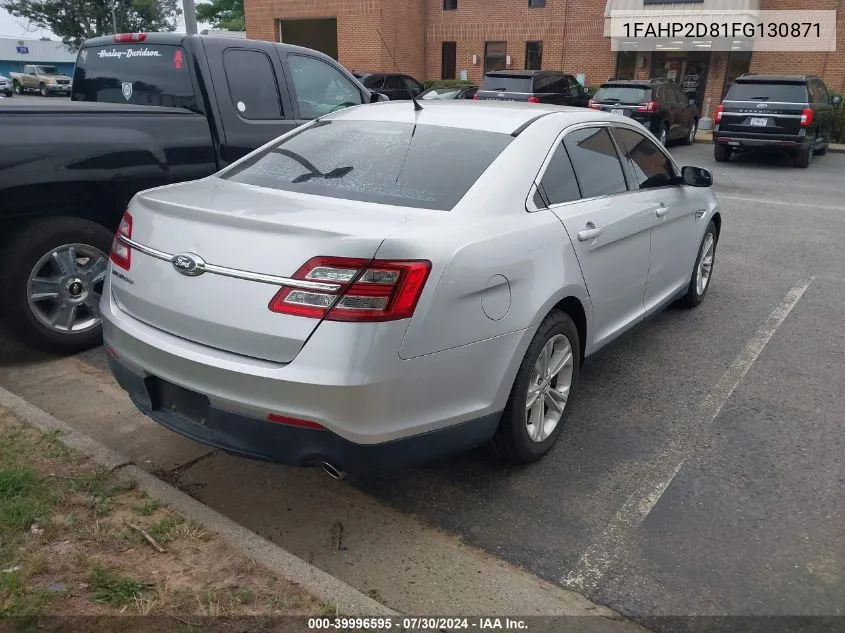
(17, 87)
(703, 269)
(690, 137)
(823, 150)
(663, 134)
(22, 254)
(722, 153)
(43, 90)
(515, 440)
(802, 158)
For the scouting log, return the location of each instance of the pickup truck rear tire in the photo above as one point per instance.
(802, 158)
(75, 284)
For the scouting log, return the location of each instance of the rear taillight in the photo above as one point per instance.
(647, 106)
(370, 290)
(719, 111)
(806, 117)
(121, 254)
(592, 104)
(533, 99)
(475, 97)
(130, 37)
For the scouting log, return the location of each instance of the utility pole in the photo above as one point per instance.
(113, 20)
(190, 12)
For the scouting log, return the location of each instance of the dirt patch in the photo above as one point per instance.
(78, 541)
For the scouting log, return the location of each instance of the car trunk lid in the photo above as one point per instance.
(251, 233)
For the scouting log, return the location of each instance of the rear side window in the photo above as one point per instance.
(622, 94)
(650, 166)
(498, 83)
(595, 161)
(422, 166)
(252, 84)
(559, 182)
(759, 91)
(143, 74)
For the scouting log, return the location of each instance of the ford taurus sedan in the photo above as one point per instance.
(386, 286)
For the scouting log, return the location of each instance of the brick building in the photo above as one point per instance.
(432, 39)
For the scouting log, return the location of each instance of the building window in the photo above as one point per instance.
(495, 56)
(533, 55)
(626, 65)
(536, 4)
(449, 60)
(450, 5)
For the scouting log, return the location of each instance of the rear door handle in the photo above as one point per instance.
(590, 234)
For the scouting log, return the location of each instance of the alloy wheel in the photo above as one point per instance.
(548, 388)
(705, 264)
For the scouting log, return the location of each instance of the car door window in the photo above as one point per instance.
(413, 85)
(574, 86)
(320, 88)
(595, 161)
(559, 183)
(252, 84)
(651, 167)
(813, 92)
(374, 82)
(824, 96)
(394, 82)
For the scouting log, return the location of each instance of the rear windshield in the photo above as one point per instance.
(622, 94)
(422, 166)
(143, 74)
(442, 93)
(498, 83)
(758, 91)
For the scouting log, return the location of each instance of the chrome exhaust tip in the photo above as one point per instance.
(332, 471)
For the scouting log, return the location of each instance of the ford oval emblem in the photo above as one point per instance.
(762, 105)
(188, 264)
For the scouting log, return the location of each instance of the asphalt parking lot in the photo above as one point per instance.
(702, 469)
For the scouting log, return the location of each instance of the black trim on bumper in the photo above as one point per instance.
(268, 441)
(787, 143)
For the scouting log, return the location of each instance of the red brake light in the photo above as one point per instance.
(475, 97)
(533, 99)
(592, 104)
(177, 59)
(719, 112)
(806, 117)
(121, 254)
(370, 290)
(130, 37)
(647, 106)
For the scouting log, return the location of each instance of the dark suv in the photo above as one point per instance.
(659, 104)
(533, 86)
(396, 87)
(784, 113)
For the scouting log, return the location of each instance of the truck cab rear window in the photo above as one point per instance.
(141, 74)
(403, 164)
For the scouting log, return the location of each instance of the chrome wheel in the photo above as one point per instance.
(663, 136)
(692, 131)
(705, 264)
(64, 288)
(548, 388)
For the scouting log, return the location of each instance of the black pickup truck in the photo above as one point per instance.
(145, 110)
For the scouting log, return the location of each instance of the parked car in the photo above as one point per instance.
(359, 293)
(395, 86)
(6, 88)
(781, 113)
(72, 166)
(658, 104)
(533, 86)
(456, 92)
(46, 80)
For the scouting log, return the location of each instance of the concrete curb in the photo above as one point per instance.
(318, 583)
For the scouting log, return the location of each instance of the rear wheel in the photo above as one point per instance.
(663, 134)
(802, 158)
(18, 87)
(690, 138)
(722, 153)
(534, 416)
(822, 150)
(51, 278)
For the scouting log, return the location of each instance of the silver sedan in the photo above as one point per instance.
(386, 286)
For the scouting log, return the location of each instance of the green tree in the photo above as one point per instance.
(77, 20)
(226, 15)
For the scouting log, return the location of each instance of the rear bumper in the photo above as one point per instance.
(776, 142)
(258, 439)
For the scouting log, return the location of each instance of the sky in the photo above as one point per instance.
(14, 27)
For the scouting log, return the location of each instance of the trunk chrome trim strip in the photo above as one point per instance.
(236, 273)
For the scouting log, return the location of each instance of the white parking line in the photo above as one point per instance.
(600, 555)
(781, 203)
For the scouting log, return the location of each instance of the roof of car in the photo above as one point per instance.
(645, 83)
(489, 116)
(773, 78)
(523, 73)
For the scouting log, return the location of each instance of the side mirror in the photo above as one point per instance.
(836, 100)
(696, 177)
(692, 102)
(376, 97)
